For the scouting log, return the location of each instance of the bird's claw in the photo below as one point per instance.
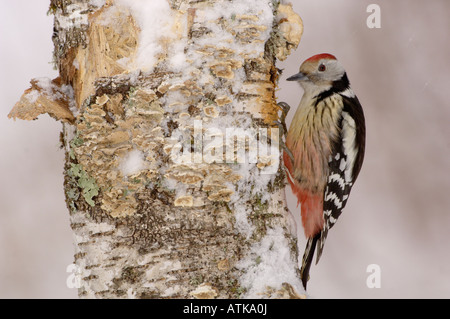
(282, 126)
(284, 107)
(284, 111)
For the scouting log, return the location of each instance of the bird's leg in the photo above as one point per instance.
(282, 126)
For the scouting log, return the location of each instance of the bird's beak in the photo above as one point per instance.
(298, 77)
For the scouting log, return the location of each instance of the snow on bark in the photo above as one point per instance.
(173, 176)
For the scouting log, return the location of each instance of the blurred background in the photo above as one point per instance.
(398, 215)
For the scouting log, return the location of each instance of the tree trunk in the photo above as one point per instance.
(172, 177)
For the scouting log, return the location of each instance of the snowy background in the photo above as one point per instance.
(398, 215)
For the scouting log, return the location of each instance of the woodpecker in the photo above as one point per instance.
(324, 149)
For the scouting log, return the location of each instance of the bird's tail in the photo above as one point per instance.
(307, 258)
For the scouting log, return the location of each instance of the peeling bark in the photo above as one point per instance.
(155, 213)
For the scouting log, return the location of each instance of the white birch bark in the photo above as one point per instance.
(152, 95)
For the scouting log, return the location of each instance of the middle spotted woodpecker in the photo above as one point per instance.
(324, 149)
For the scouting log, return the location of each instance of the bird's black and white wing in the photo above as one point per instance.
(344, 163)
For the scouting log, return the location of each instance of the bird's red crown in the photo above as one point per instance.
(321, 56)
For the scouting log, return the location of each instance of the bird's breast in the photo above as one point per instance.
(313, 130)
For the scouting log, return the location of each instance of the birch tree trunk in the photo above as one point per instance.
(172, 176)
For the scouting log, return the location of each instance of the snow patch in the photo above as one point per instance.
(97, 3)
(32, 96)
(133, 163)
(163, 32)
(155, 20)
(269, 264)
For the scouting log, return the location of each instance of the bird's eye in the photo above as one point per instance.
(322, 67)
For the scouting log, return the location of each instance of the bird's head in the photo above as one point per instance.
(319, 73)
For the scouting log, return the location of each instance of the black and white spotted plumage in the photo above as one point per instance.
(344, 163)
